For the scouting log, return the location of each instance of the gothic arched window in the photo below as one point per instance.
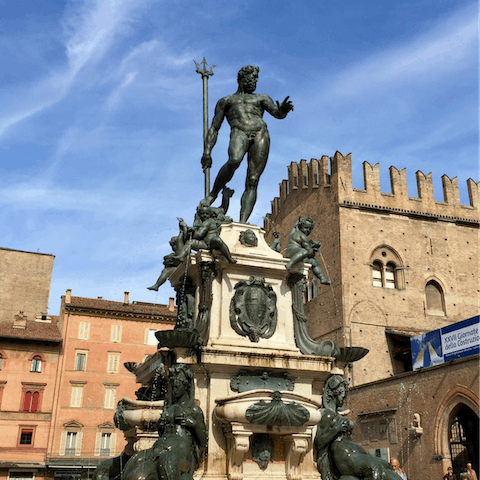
(387, 268)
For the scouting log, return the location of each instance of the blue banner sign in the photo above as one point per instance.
(458, 340)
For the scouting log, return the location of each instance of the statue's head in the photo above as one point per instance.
(276, 234)
(181, 380)
(247, 78)
(173, 241)
(305, 224)
(335, 392)
(248, 238)
(204, 211)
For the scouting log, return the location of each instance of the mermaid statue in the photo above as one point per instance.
(337, 457)
(182, 435)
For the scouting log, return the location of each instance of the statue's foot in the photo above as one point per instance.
(231, 260)
(209, 199)
(288, 266)
(324, 281)
(153, 287)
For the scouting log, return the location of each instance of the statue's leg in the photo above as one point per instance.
(236, 151)
(257, 160)
(317, 271)
(162, 278)
(300, 256)
(217, 243)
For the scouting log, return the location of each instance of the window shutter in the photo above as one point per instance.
(113, 361)
(98, 439)
(106, 402)
(113, 440)
(78, 445)
(84, 330)
(147, 331)
(63, 441)
(77, 394)
(35, 399)
(110, 394)
(116, 333)
(27, 402)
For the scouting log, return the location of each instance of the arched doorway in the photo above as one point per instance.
(463, 438)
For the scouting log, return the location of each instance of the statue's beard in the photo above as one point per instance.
(249, 86)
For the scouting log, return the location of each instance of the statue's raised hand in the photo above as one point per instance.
(206, 161)
(286, 106)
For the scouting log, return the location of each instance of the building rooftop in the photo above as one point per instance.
(134, 308)
(31, 330)
(25, 251)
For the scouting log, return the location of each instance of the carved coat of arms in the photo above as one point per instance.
(253, 309)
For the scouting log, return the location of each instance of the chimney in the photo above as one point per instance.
(20, 321)
(68, 296)
(171, 304)
(126, 298)
(99, 298)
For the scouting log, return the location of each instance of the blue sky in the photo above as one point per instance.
(101, 117)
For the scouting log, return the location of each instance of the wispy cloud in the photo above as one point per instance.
(429, 57)
(90, 31)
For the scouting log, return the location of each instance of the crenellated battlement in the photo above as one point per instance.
(331, 178)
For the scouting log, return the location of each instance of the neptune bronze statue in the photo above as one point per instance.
(243, 110)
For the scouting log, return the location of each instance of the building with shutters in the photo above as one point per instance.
(62, 376)
(30, 346)
(29, 353)
(99, 336)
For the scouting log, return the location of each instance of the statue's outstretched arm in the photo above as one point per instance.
(212, 134)
(201, 231)
(278, 110)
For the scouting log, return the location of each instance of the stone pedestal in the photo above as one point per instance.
(249, 384)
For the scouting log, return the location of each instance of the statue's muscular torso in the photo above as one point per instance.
(245, 111)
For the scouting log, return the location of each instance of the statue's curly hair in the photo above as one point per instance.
(246, 70)
(303, 220)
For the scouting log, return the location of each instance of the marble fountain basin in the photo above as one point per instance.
(268, 407)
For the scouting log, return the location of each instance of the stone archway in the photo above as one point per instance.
(457, 429)
(463, 438)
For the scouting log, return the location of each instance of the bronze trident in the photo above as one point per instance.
(205, 74)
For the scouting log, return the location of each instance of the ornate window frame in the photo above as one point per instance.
(389, 260)
(32, 388)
